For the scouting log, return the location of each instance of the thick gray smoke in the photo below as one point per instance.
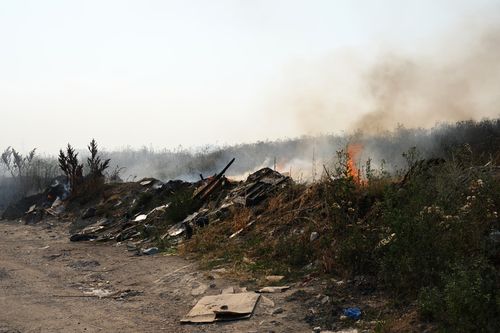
(458, 83)
(450, 78)
(304, 157)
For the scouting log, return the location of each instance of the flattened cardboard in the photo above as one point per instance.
(222, 307)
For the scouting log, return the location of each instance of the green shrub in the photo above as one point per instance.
(430, 303)
(293, 251)
(468, 301)
(438, 217)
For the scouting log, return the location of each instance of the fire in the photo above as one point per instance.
(353, 151)
(280, 166)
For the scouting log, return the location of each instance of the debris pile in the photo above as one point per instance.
(129, 211)
(257, 187)
(151, 211)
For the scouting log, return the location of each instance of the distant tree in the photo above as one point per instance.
(72, 169)
(16, 163)
(19, 167)
(96, 165)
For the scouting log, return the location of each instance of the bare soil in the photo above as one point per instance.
(44, 279)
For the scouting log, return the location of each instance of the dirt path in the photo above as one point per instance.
(41, 272)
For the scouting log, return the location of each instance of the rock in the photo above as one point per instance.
(88, 213)
(267, 302)
(325, 300)
(274, 278)
(314, 236)
(278, 311)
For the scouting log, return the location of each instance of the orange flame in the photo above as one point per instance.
(280, 166)
(353, 151)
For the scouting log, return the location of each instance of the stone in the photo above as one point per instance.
(278, 311)
(274, 278)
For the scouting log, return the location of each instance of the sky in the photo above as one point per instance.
(193, 72)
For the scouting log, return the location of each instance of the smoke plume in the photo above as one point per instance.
(459, 83)
(453, 78)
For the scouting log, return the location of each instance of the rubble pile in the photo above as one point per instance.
(130, 211)
(256, 188)
(170, 212)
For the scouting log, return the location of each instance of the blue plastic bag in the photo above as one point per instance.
(353, 313)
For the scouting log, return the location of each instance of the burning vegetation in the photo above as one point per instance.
(353, 152)
(421, 242)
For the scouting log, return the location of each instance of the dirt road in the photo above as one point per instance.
(45, 282)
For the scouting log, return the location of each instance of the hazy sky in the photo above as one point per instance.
(168, 73)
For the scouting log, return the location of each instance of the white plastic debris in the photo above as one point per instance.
(141, 217)
(98, 293)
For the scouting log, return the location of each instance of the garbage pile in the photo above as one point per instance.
(150, 210)
(129, 211)
(256, 188)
